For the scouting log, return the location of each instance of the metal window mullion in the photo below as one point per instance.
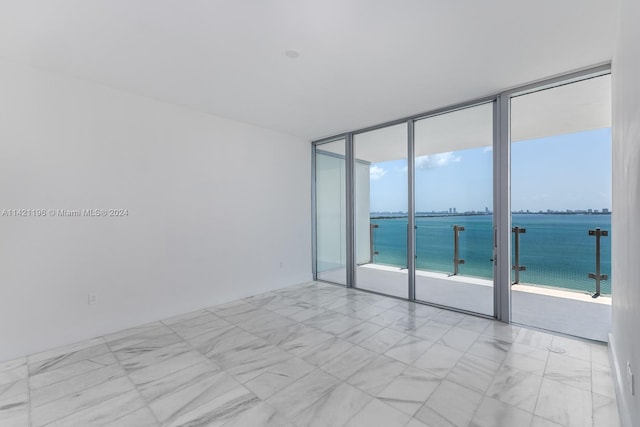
(502, 209)
(411, 227)
(350, 211)
(314, 216)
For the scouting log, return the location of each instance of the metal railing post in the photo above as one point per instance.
(372, 252)
(597, 276)
(456, 247)
(516, 266)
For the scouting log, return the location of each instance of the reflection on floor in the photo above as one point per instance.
(314, 354)
(554, 309)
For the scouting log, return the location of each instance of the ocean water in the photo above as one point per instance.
(556, 249)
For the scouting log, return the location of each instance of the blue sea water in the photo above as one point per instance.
(556, 249)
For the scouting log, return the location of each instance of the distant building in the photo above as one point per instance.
(605, 210)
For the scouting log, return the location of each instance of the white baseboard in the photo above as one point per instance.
(619, 384)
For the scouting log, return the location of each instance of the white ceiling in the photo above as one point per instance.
(361, 62)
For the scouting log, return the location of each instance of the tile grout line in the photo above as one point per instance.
(316, 368)
(126, 374)
(30, 376)
(73, 375)
(67, 395)
(147, 404)
(544, 371)
(222, 370)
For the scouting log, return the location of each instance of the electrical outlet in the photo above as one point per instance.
(92, 299)
(630, 379)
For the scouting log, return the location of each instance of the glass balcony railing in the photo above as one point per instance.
(388, 241)
(571, 252)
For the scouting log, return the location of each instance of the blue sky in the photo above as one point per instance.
(560, 172)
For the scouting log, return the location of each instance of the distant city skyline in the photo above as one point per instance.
(546, 211)
(559, 173)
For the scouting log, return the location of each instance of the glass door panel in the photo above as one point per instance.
(331, 230)
(561, 206)
(454, 203)
(381, 210)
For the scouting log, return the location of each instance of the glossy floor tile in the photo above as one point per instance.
(314, 355)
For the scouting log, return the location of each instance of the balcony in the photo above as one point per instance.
(579, 304)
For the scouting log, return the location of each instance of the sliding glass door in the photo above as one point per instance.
(381, 216)
(407, 208)
(450, 174)
(454, 209)
(561, 208)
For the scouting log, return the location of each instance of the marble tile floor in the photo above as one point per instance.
(314, 355)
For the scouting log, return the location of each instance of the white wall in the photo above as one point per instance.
(625, 338)
(218, 210)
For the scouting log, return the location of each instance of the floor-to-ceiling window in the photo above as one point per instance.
(331, 212)
(381, 210)
(454, 209)
(498, 206)
(561, 207)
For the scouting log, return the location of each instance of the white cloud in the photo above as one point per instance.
(376, 172)
(436, 160)
(487, 149)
